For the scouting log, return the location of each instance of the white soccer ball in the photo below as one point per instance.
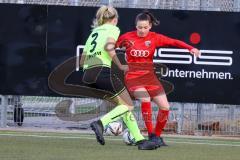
(114, 128)
(128, 137)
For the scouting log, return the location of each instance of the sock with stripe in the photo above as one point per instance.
(114, 114)
(147, 116)
(131, 123)
(161, 121)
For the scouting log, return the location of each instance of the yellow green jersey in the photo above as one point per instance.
(95, 54)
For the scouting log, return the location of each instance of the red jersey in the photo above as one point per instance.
(139, 56)
(141, 49)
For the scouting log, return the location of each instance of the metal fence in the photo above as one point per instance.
(76, 113)
(205, 5)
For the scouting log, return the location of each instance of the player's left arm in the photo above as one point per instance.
(84, 54)
(195, 52)
(167, 41)
(82, 59)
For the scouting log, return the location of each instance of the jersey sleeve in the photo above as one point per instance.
(124, 42)
(162, 41)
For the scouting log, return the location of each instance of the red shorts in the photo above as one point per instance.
(143, 79)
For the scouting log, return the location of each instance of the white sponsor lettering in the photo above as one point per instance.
(179, 56)
(207, 57)
(139, 53)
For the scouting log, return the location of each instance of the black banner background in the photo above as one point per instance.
(34, 39)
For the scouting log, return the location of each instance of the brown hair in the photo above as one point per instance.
(104, 14)
(147, 16)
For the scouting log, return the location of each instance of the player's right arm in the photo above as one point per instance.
(110, 48)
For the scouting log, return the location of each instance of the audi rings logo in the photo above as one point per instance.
(139, 53)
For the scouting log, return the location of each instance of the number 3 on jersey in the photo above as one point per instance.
(94, 43)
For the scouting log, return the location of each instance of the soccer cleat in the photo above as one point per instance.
(157, 140)
(161, 141)
(145, 145)
(153, 138)
(97, 127)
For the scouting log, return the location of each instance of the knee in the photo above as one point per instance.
(145, 99)
(167, 108)
(130, 107)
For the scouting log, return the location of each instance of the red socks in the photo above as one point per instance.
(161, 121)
(147, 116)
(162, 118)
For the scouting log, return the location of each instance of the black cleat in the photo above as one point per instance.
(153, 138)
(161, 141)
(157, 140)
(145, 145)
(97, 127)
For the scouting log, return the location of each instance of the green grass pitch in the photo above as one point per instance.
(67, 146)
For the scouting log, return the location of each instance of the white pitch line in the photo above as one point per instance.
(59, 137)
(93, 138)
(202, 140)
(211, 144)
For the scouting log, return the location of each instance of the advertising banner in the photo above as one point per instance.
(36, 39)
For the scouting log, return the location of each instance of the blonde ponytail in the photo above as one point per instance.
(103, 15)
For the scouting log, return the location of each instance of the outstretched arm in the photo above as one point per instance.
(167, 41)
(195, 52)
(181, 44)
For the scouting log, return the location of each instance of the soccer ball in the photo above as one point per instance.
(128, 137)
(114, 128)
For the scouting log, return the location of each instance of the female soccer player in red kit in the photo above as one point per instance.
(141, 80)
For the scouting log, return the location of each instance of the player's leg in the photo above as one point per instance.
(124, 105)
(121, 98)
(162, 117)
(132, 125)
(146, 108)
(123, 110)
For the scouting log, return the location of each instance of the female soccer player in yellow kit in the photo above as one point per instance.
(96, 61)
